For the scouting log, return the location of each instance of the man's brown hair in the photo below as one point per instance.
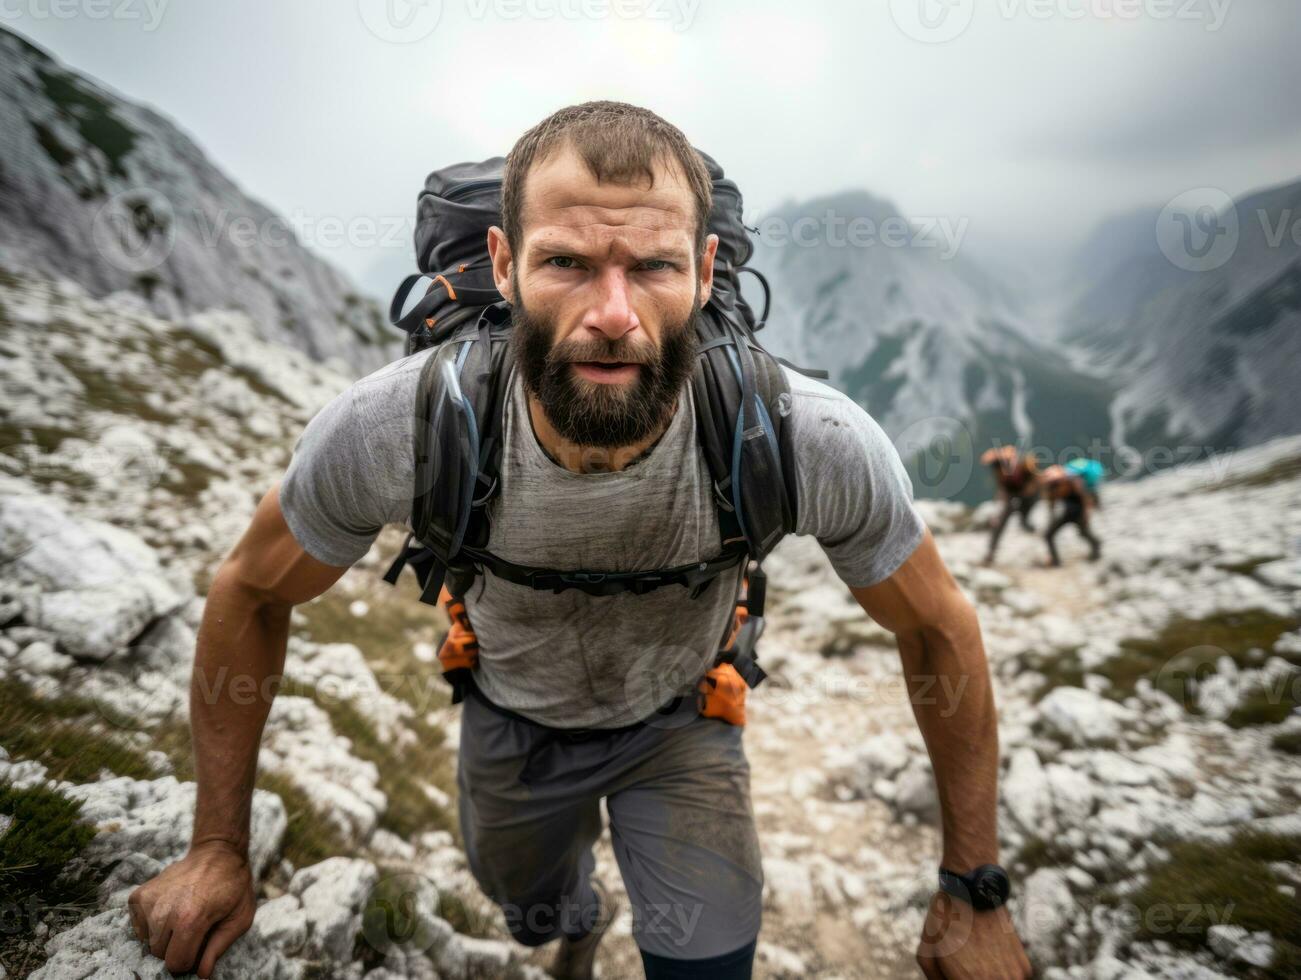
(619, 143)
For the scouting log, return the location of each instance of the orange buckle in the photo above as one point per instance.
(460, 649)
(723, 690)
(723, 695)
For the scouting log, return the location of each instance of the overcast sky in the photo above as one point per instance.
(1027, 119)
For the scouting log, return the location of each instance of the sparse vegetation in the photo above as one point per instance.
(1289, 742)
(1038, 852)
(309, 837)
(1184, 652)
(45, 835)
(41, 876)
(68, 735)
(92, 116)
(1281, 471)
(1269, 703)
(1249, 565)
(1204, 884)
(462, 917)
(404, 769)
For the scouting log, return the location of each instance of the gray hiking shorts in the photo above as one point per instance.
(678, 797)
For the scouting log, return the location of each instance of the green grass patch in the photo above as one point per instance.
(1204, 884)
(92, 116)
(309, 837)
(68, 735)
(16, 437)
(1038, 852)
(1269, 704)
(1060, 668)
(46, 834)
(1281, 471)
(1250, 565)
(403, 769)
(1289, 742)
(42, 877)
(464, 919)
(386, 636)
(1183, 652)
(1187, 650)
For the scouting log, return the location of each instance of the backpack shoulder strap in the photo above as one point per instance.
(742, 401)
(458, 424)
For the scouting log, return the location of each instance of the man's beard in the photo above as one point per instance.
(603, 415)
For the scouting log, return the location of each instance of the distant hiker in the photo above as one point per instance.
(1091, 472)
(1069, 489)
(592, 470)
(1016, 483)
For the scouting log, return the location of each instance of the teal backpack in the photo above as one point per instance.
(1089, 470)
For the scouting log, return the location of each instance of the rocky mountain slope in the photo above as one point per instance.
(1200, 333)
(1148, 703)
(107, 193)
(929, 343)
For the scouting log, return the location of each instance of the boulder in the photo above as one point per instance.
(333, 894)
(1046, 911)
(1027, 795)
(104, 946)
(1080, 717)
(154, 818)
(1236, 944)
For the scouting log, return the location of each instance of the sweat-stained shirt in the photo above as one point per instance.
(570, 659)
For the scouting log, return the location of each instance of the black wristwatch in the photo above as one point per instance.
(985, 888)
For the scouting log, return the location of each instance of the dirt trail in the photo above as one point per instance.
(835, 854)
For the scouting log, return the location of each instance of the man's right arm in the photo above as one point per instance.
(191, 913)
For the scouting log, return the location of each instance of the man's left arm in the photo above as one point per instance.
(949, 687)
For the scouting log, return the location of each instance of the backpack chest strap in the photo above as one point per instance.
(695, 576)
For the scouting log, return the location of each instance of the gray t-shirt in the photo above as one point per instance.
(570, 659)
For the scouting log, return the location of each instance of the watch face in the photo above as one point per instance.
(991, 888)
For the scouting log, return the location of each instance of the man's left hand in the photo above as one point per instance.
(959, 943)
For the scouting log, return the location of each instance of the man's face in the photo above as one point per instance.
(606, 291)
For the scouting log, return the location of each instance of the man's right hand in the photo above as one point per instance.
(192, 912)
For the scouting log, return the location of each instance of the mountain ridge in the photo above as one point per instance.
(112, 194)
